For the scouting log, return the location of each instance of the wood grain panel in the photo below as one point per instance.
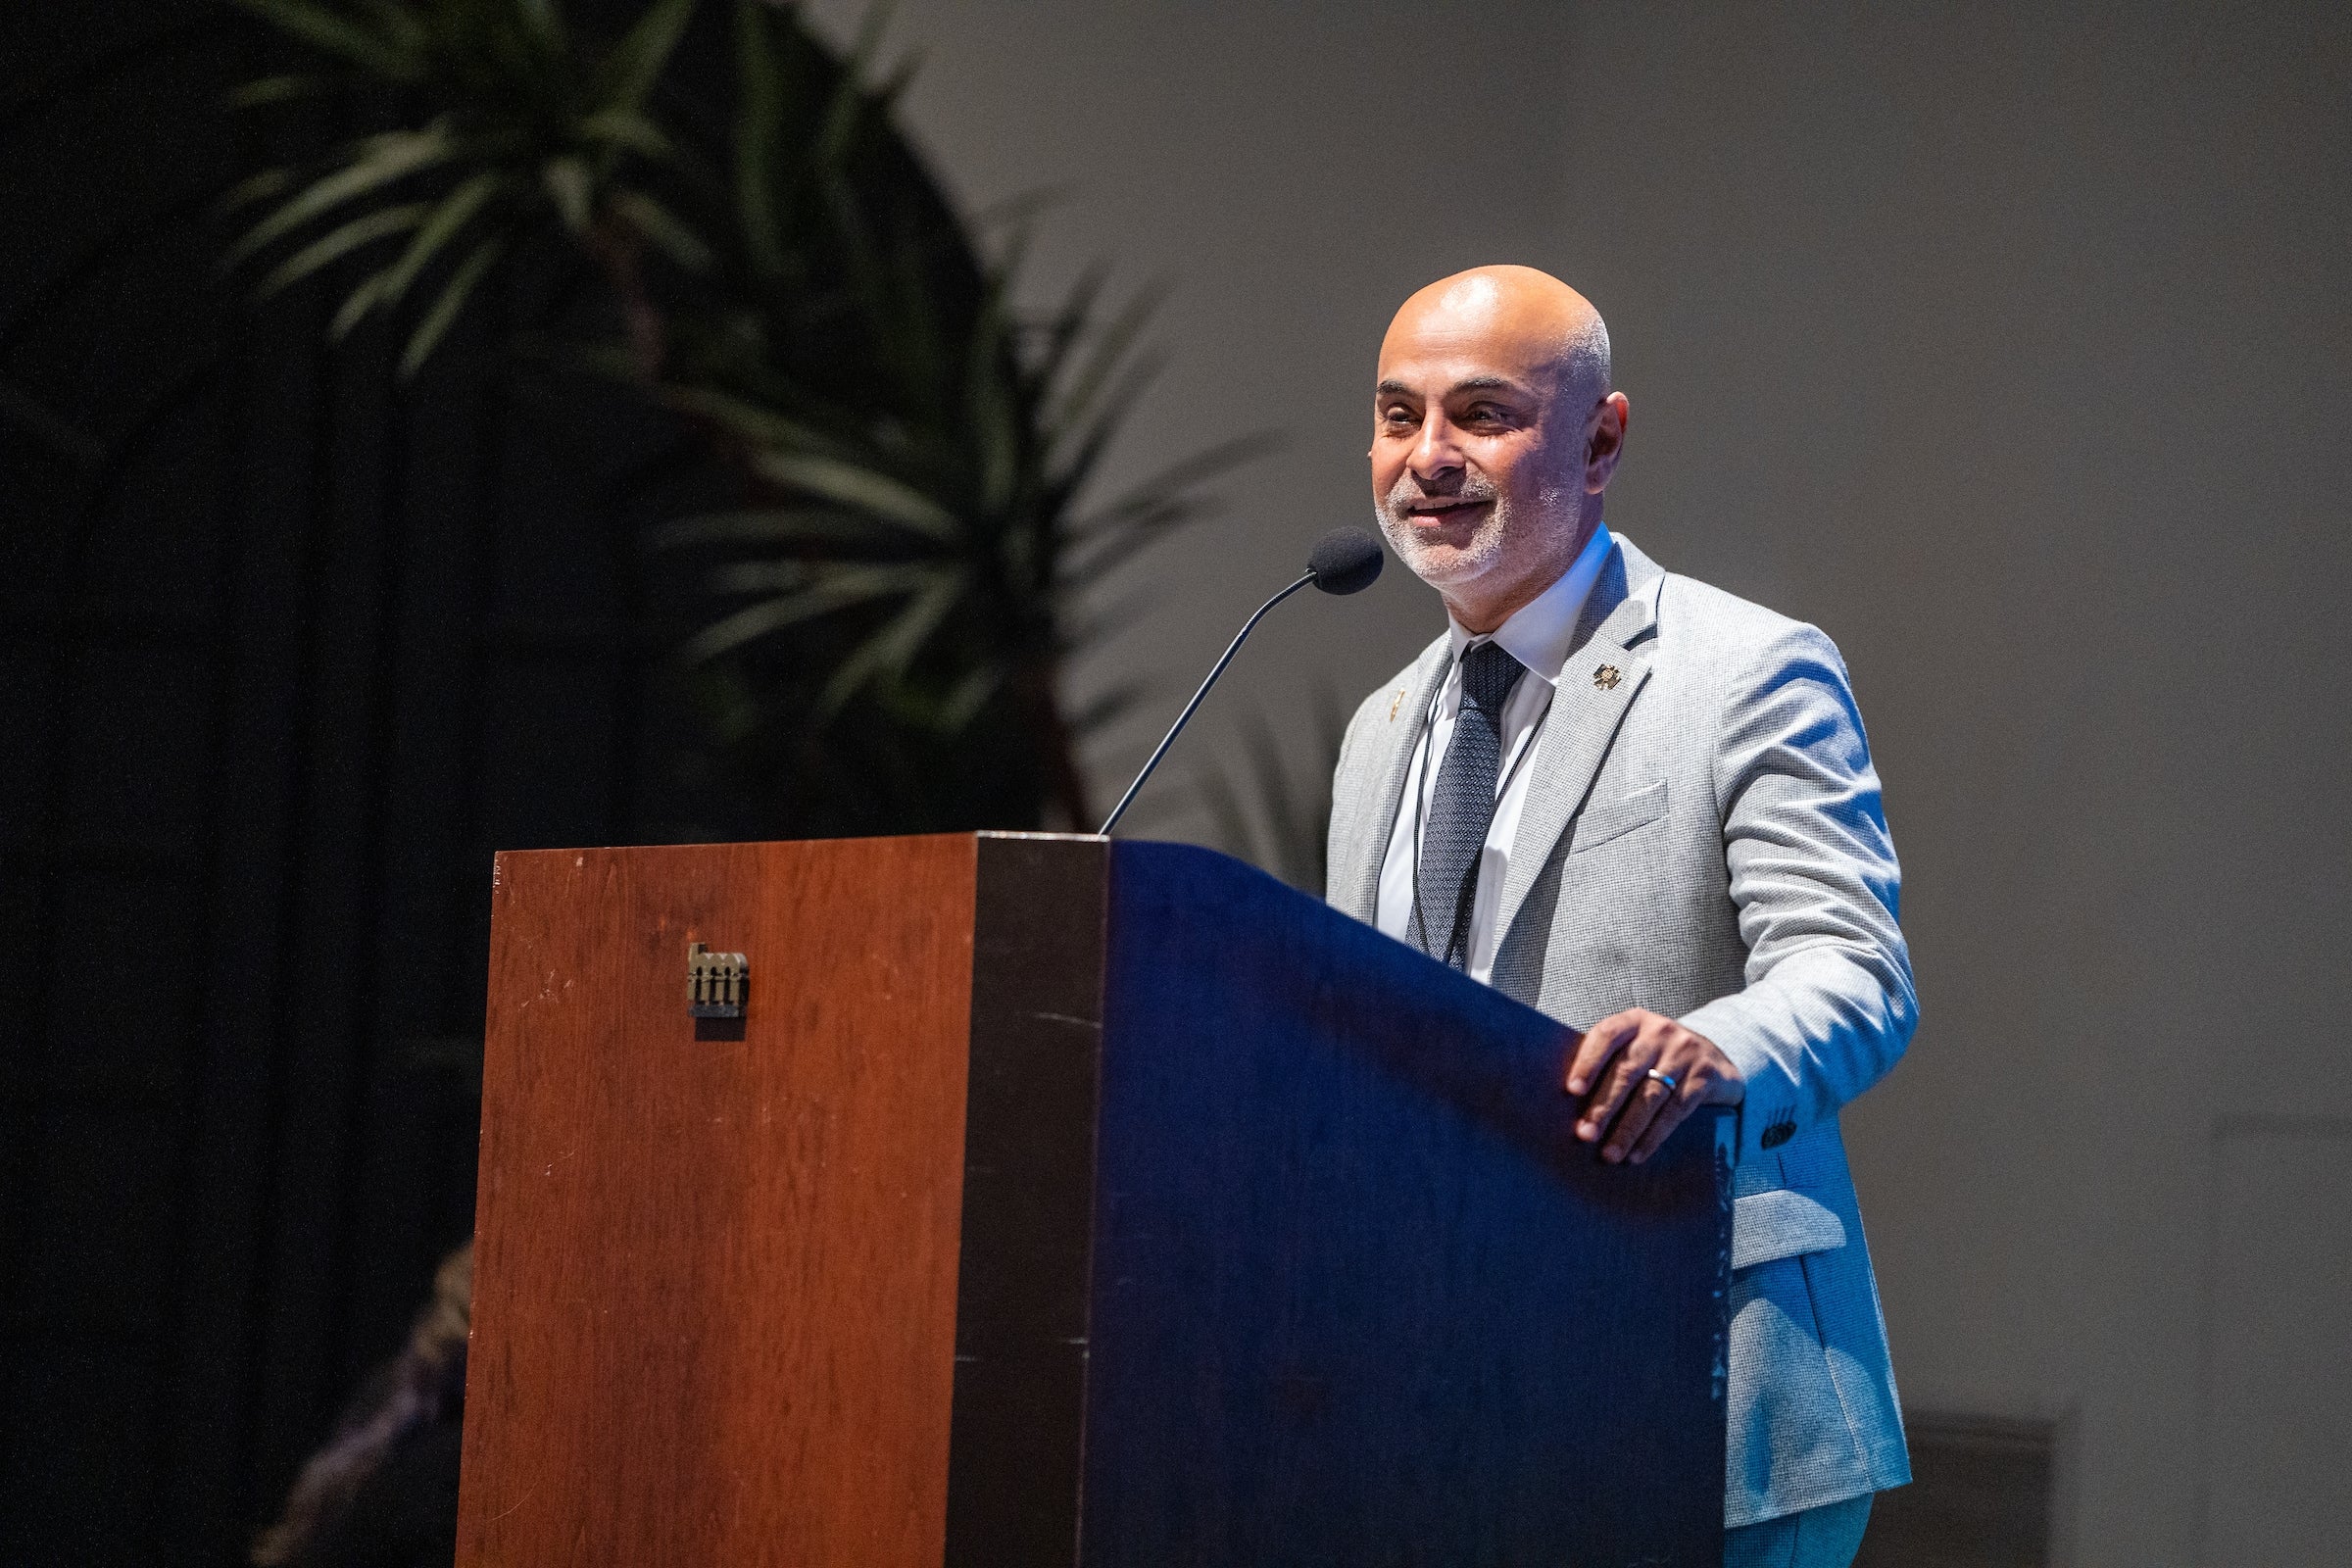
(716, 1286)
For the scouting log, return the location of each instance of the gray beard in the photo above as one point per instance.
(1443, 565)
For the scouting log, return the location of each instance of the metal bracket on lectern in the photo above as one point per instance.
(715, 982)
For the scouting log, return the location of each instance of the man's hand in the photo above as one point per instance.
(1615, 1060)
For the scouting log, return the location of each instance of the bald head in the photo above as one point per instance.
(1494, 431)
(1517, 316)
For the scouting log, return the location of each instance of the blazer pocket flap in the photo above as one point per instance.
(1768, 1226)
(1599, 822)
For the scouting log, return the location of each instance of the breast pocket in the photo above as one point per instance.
(1602, 820)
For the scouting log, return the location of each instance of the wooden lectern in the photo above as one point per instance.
(1057, 1201)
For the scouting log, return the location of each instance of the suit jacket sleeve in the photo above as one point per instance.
(1828, 1003)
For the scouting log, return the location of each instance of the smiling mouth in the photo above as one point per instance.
(1438, 517)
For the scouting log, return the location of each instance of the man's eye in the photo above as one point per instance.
(1397, 416)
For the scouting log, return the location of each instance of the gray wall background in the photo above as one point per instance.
(2009, 345)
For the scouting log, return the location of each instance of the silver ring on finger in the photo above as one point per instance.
(1671, 1084)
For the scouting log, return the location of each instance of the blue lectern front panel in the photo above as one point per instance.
(1359, 1295)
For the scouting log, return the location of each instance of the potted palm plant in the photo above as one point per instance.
(893, 582)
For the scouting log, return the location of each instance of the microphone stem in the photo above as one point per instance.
(1177, 729)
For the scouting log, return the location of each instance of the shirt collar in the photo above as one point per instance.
(1539, 632)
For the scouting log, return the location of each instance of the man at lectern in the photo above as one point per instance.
(1648, 809)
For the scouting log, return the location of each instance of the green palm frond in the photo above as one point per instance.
(621, 79)
(886, 654)
(1076, 411)
(821, 593)
(1105, 540)
(917, 457)
(528, 125)
(378, 162)
(814, 527)
(453, 294)
(657, 224)
(863, 489)
(341, 241)
(451, 215)
(1265, 808)
(978, 495)
(263, 91)
(384, 48)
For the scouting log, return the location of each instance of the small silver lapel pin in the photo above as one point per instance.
(1606, 677)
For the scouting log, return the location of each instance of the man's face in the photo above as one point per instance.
(1478, 451)
(1466, 469)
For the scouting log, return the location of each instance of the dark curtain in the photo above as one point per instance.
(285, 650)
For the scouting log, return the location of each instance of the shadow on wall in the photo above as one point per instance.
(1262, 806)
(1985, 1492)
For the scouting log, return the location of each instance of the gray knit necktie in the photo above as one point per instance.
(1462, 807)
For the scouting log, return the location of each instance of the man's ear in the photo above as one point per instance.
(1607, 442)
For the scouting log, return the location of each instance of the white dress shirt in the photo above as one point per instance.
(1537, 635)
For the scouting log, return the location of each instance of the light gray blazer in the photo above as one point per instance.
(1702, 837)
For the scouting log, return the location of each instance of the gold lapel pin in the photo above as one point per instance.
(1392, 702)
(1606, 677)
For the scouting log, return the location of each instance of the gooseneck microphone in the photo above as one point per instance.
(1344, 560)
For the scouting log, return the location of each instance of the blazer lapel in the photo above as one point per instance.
(1375, 783)
(1596, 685)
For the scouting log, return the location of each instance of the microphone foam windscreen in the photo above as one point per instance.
(1345, 561)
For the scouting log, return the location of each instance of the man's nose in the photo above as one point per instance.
(1435, 454)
